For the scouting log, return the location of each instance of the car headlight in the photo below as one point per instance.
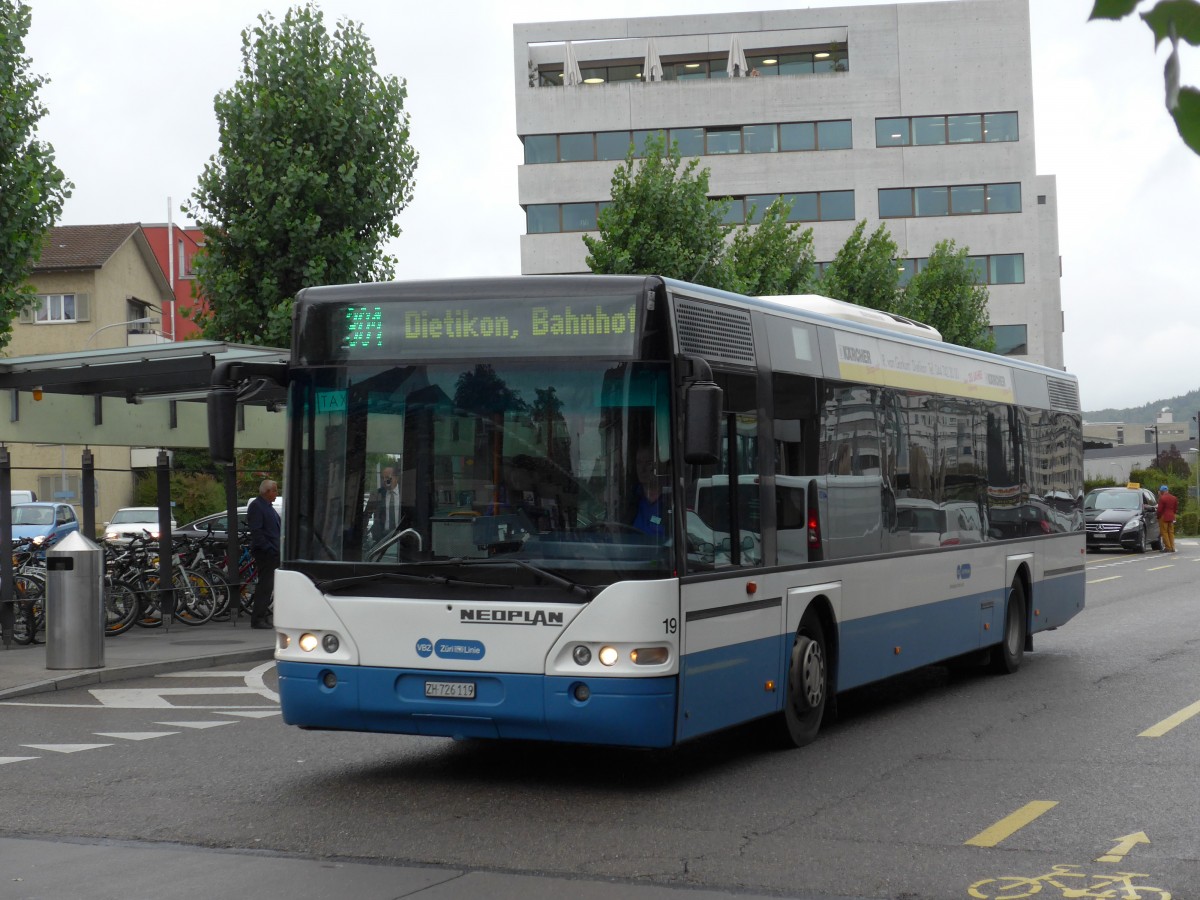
(39, 540)
(111, 535)
(1132, 525)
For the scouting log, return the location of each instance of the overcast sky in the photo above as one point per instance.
(131, 120)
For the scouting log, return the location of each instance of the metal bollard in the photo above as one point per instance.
(74, 604)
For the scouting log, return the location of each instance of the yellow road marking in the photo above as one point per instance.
(1109, 578)
(1124, 846)
(1172, 721)
(1011, 824)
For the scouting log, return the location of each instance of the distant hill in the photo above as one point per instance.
(1183, 409)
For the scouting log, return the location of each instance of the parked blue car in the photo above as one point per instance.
(46, 523)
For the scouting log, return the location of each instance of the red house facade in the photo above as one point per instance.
(175, 247)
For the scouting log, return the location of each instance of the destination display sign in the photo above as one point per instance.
(604, 326)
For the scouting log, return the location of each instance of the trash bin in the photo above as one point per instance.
(74, 604)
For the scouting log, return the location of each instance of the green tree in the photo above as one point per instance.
(32, 188)
(864, 270)
(661, 220)
(314, 166)
(1169, 20)
(947, 294)
(775, 257)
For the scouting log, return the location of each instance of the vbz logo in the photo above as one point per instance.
(424, 647)
(964, 572)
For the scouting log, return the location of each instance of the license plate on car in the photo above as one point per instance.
(454, 690)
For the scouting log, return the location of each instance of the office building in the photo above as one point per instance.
(919, 115)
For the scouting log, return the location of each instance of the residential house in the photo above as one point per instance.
(98, 287)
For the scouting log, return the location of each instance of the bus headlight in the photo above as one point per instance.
(609, 655)
(649, 656)
(582, 655)
(308, 642)
(330, 643)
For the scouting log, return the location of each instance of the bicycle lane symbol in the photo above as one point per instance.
(1064, 877)
(1072, 881)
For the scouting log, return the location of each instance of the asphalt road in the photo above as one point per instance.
(1078, 768)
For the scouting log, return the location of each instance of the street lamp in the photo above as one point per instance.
(144, 320)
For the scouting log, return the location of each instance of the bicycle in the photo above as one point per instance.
(1105, 886)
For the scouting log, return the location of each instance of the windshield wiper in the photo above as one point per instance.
(571, 587)
(337, 584)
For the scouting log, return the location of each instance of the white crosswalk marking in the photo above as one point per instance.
(134, 735)
(194, 724)
(250, 714)
(156, 698)
(5, 760)
(65, 748)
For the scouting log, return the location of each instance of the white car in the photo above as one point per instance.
(133, 521)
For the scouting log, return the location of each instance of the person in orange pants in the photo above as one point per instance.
(1168, 506)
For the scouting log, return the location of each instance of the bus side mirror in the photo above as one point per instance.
(222, 423)
(702, 423)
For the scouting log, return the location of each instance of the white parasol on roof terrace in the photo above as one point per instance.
(736, 67)
(652, 69)
(571, 74)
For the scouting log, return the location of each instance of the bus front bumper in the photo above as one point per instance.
(629, 712)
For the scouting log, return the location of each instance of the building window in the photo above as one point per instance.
(611, 145)
(957, 200)
(690, 141)
(51, 487)
(1000, 268)
(577, 147)
(56, 308)
(1011, 340)
(960, 128)
(718, 141)
(1006, 268)
(542, 218)
(541, 148)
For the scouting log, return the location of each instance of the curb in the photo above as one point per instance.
(136, 670)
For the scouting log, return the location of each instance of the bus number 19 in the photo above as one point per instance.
(671, 625)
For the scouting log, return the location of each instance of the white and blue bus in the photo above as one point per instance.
(630, 510)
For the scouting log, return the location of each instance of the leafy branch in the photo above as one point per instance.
(1169, 20)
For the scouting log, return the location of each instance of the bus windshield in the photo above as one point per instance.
(558, 465)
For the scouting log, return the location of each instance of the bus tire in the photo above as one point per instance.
(807, 685)
(1007, 655)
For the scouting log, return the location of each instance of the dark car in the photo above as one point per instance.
(1122, 517)
(216, 525)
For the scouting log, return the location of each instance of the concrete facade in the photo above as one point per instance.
(952, 58)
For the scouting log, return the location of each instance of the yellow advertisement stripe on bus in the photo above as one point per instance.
(867, 359)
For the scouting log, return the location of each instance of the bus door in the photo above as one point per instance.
(730, 642)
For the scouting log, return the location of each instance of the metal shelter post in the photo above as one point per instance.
(233, 546)
(88, 486)
(165, 593)
(6, 560)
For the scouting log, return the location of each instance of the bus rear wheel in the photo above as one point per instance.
(807, 683)
(1007, 655)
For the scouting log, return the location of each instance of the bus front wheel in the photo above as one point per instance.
(807, 682)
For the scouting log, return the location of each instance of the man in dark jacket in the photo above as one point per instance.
(264, 547)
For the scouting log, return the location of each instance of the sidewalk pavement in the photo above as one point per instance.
(137, 653)
(37, 867)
